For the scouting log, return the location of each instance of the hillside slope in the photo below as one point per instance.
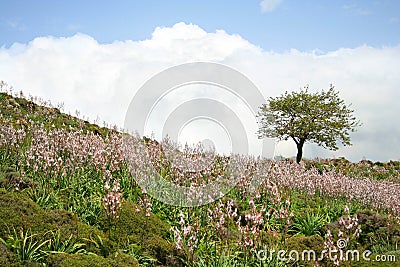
(69, 198)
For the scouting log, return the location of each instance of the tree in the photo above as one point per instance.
(321, 118)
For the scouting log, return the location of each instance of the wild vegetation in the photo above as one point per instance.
(68, 197)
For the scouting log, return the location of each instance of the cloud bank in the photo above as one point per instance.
(101, 79)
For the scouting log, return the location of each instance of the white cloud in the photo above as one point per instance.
(356, 9)
(348, 6)
(73, 27)
(101, 79)
(269, 5)
(15, 24)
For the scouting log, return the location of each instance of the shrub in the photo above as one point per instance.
(79, 260)
(25, 245)
(306, 243)
(20, 212)
(148, 231)
(7, 258)
(379, 233)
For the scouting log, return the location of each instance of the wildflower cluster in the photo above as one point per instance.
(186, 234)
(221, 215)
(349, 231)
(378, 194)
(146, 202)
(112, 201)
(253, 221)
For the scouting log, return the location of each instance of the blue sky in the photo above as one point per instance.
(303, 25)
(93, 56)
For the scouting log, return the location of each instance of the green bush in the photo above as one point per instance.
(79, 260)
(11, 179)
(135, 227)
(304, 243)
(26, 246)
(18, 211)
(379, 233)
(7, 258)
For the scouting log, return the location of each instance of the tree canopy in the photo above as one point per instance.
(322, 118)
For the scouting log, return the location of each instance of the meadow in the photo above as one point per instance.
(70, 197)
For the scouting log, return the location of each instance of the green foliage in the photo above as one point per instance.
(134, 226)
(59, 219)
(379, 233)
(99, 245)
(330, 209)
(44, 198)
(309, 225)
(141, 256)
(223, 259)
(20, 212)
(80, 260)
(69, 245)
(7, 258)
(322, 118)
(25, 246)
(26, 112)
(389, 171)
(373, 263)
(11, 179)
(306, 243)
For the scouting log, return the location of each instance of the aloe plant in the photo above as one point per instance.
(25, 246)
(309, 225)
(69, 245)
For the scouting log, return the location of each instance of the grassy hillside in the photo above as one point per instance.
(68, 198)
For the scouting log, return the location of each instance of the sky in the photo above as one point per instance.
(95, 55)
(277, 25)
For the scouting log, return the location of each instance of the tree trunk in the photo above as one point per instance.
(299, 150)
